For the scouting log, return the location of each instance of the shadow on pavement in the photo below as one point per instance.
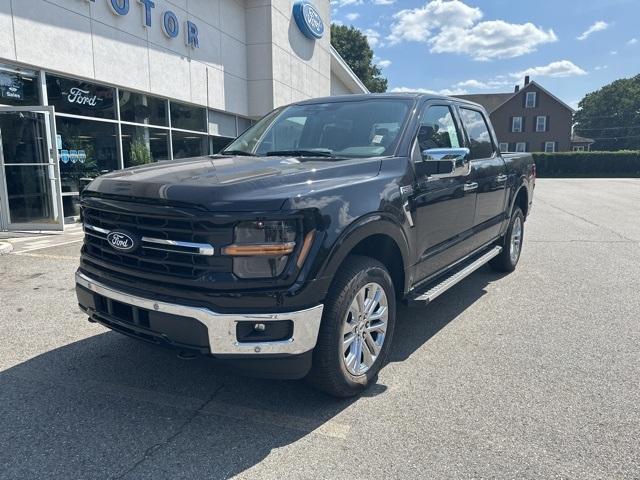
(111, 407)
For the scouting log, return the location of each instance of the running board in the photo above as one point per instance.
(460, 275)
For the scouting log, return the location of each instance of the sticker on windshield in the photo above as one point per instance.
(377, 139)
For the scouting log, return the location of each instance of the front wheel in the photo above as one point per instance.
(356, 330)
(511, 244)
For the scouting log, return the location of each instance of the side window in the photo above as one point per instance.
(437, 129)
(479, 137)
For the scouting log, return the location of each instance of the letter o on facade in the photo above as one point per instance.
(170, 25)
(119, 7)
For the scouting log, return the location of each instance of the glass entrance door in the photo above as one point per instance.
(29, 172)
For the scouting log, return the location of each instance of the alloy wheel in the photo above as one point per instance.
(364, 329)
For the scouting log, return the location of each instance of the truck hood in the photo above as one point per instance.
(234, 183)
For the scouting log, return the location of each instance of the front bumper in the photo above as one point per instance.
(221, 328)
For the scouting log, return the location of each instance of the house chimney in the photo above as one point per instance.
(526, 80)
(517, 89)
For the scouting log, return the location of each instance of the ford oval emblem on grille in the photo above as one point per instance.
(122, 241)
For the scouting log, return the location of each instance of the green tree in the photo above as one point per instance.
(353, 46)
(611, 116)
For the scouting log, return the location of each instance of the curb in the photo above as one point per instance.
(5, 247)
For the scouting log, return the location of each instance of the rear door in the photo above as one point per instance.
(443, 207)
(488, 175)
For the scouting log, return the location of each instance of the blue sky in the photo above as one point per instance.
(571, 47)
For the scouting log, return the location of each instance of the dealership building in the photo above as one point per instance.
(91, 86)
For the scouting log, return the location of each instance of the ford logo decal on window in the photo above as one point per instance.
(308, 19)
(122, 241)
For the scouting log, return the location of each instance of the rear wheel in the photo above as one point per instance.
(511, 244)
(356, 329)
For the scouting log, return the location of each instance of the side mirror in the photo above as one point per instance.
(444, 162)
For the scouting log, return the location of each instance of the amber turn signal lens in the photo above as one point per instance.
(264, 250)
(306, 246)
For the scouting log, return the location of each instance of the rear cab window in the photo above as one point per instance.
(480, 142)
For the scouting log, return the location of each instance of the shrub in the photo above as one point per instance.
(588, 164)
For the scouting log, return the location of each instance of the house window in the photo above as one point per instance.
(549, 147)
(541, 124)
(530, 101)
(516, 124)
(504, 147)
(521, 147)
(578, 148)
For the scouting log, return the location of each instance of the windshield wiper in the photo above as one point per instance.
(237, 152)
(300, 153)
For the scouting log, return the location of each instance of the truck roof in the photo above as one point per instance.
(367, 96)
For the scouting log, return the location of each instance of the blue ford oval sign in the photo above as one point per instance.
(308, 19)
(121, 241)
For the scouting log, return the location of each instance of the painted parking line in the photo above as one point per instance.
(48, 257)
(49, 246)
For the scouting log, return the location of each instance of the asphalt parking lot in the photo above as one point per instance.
(531, 375)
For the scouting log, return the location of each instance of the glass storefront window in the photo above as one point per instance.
(18, 86)
(187, 145)
(139, 108)
(89, 148)
(78, 97)
(218, 143)
(188, 117)
(142, 145)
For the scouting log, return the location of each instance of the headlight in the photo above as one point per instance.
(261, 249)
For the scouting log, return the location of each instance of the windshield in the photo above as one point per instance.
(349, 129)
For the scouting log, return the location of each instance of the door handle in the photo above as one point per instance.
(501, 178)
(470, 186)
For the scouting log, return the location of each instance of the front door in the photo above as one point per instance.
(444, 207)
(29, 177)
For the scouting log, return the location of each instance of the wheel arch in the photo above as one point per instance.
(376, 236)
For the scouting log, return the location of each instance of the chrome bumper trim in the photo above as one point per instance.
(222, 327)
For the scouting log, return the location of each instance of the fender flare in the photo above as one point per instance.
(377, 223)
(516, 192)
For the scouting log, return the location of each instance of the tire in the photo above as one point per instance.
(508, 258)
(335, 369)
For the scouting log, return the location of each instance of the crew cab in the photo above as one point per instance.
(286, 254)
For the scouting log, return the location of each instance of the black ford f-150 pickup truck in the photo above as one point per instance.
(287, 253)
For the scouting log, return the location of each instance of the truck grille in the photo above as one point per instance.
(177, 247)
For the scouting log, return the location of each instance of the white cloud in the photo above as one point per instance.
(596, 27)
(559, 69)
(352, 16)
(451, 26)
(373, 37)
(345, 3)
(383, 63)
(492, 39)
(633, 41)
(613, 52)
(444, 91)
(417, 24)
(384, 2)
(600, 67)
(479, 85)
